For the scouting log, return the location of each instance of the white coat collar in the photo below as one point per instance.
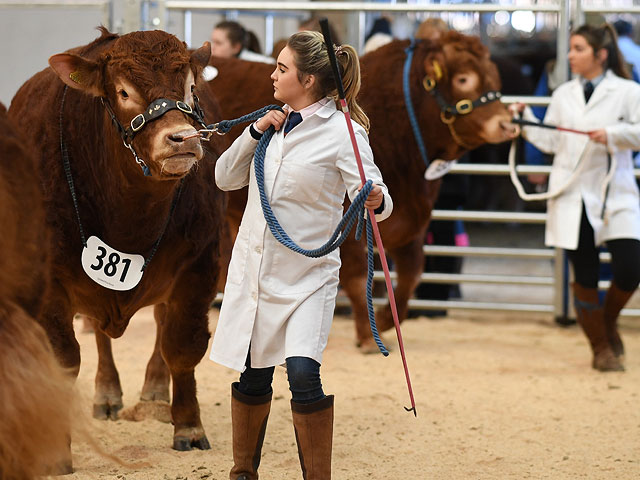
(327, 108)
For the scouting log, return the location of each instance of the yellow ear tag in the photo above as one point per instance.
(76, 77)
(437, 70)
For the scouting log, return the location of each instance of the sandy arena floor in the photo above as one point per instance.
(508, 396)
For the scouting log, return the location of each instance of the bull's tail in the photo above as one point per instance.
(35, 399)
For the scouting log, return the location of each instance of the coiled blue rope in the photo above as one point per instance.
(354, 212)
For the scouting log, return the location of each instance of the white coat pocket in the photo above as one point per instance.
(303, 182)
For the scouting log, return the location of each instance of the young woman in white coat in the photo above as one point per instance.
(278, 305)
(602, 204)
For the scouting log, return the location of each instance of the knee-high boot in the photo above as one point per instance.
(614, 302)
(313, 424)
(249, 416)
(591, 319)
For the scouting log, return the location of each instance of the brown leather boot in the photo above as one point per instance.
(313, 424)
(591, 319)
(614, 302)
(249, 416)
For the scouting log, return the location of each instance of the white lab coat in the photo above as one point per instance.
(615, 106)
(278, 301)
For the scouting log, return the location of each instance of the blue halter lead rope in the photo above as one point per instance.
(356, 211)
(413, 120)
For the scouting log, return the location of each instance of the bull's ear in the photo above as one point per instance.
(78, 72)
(200, 58)
(435, 67)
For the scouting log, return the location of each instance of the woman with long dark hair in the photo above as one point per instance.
(601, 205)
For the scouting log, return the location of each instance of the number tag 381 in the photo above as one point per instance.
(109, 267)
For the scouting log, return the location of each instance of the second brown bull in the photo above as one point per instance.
(458, 68)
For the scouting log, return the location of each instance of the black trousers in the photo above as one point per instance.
(625, 259)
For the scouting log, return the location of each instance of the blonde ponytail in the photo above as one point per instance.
(311, 58)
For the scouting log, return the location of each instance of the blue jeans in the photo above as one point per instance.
(303, 374)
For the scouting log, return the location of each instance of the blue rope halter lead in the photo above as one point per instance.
(413, 120)
(355, 212)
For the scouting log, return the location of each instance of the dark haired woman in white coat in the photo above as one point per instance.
(601, 204)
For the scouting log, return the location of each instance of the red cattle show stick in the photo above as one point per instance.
(529, 123)
(324, 24)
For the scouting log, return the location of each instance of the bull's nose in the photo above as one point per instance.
(511, 129)
(179, 137)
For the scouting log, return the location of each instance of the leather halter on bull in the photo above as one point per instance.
(448, 112)
(154, 111)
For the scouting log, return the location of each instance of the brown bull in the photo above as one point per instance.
(171, 219)
(34, 391)
(461, 69)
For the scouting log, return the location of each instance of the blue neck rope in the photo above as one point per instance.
(409, 104)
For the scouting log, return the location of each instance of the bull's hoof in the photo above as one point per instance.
(156, 410)
(106, 411)
(606, 361)
(161, 395)
(184, 444)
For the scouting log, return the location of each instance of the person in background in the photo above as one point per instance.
(230, 39)
(278, 304)
(379, 35)
(602, 205)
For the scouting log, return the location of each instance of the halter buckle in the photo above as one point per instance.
(428, 83)
(447, 120)
(184, 107)
(138, 122)
(464, 106)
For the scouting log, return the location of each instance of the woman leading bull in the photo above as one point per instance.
(278, 305)
(602, 204)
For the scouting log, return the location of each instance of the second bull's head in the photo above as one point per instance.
(466, 85)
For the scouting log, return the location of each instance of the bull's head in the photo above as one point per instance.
(146, 81)
(463, 78)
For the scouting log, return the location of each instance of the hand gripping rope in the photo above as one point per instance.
(354, 212)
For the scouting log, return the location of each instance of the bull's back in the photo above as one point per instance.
(32, 108)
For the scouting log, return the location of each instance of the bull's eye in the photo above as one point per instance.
(193, 87)
(123, 93)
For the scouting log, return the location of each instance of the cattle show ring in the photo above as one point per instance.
(454, 350)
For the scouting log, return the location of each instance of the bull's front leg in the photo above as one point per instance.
(107, 399)
(156, 379)
(408, 262)
(184, 341)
